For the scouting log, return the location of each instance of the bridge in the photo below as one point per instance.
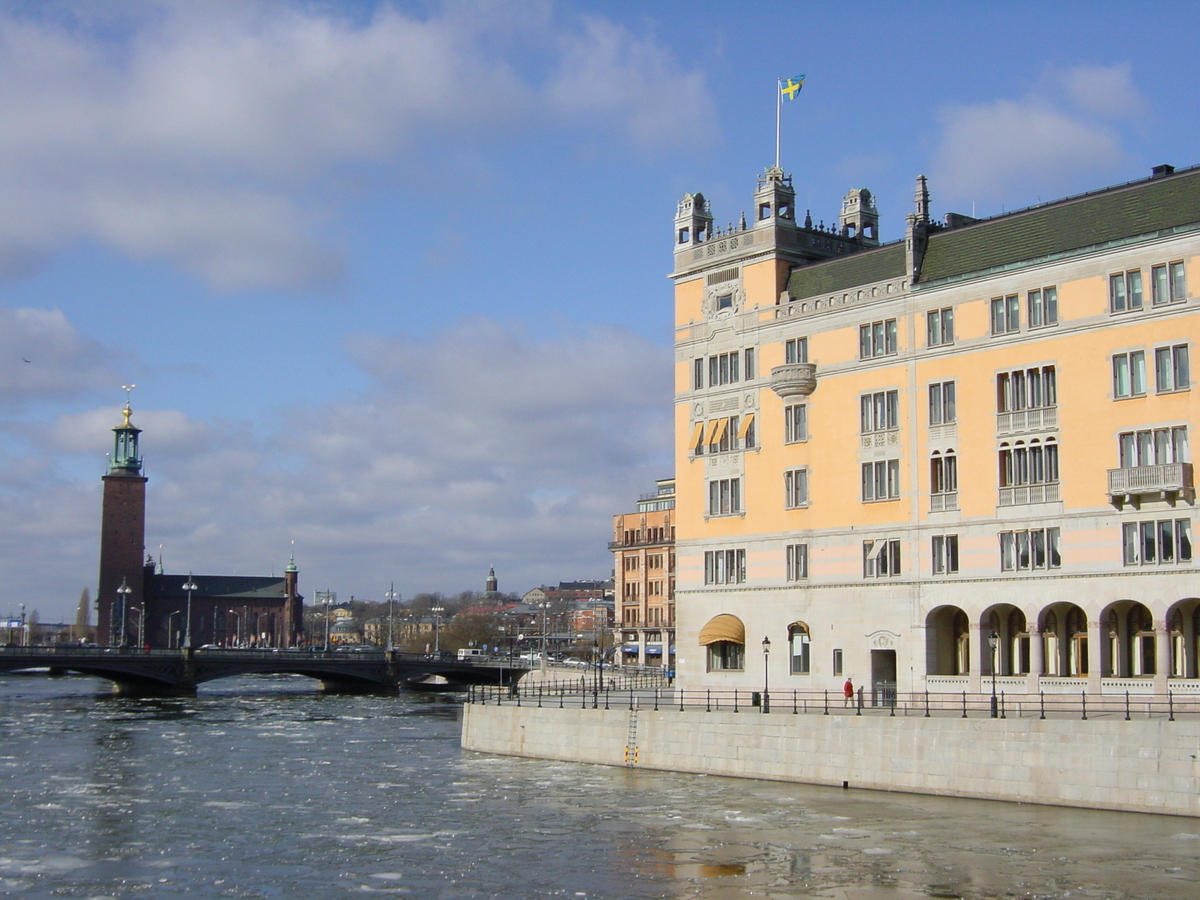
(173, 673)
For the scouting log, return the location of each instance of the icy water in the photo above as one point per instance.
(264, 788)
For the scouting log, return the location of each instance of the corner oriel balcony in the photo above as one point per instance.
(1127, 485)
(794, 379)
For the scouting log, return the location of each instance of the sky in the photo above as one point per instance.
(392, 278)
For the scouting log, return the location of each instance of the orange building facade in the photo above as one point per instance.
(643, 549)
(955, 459)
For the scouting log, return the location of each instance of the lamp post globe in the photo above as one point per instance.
(187, 626)
(993, 642)
(123, 593)
(766, 697)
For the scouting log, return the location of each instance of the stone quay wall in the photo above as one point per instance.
(1147, 765)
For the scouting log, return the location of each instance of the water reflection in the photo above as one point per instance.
(262, 788)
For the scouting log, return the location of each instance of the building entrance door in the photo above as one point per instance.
(883, 677)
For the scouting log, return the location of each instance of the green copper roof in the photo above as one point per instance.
(1111, 215)
(864, 267)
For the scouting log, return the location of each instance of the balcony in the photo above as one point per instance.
(1041, 419)
(1022, 495)
(1131, 483)
(794, 379)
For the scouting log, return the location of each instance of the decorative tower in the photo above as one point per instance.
(122, 538)
(775, 197)
(859, 217)
(693, 220)
(493, 583)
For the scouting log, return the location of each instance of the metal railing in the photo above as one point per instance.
(635, 693)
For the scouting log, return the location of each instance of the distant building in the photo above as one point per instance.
(956, 462)
(224, 609)
(643, 550)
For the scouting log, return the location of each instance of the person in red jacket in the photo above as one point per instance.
(848, 691)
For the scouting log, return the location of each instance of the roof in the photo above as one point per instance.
(831, 276)
(1102, 217)
(243, 587)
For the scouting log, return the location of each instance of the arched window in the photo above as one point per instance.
(799, 649)
(724, 636)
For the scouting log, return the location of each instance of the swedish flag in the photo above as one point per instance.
(790, 87)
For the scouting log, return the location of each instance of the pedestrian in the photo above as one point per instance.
(848, 691)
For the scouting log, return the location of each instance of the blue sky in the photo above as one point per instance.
(391, 277)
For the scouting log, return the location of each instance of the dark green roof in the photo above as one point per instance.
(1104, 217)
(864, 267)
(238, 587)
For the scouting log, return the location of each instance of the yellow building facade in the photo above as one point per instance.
(951, 461)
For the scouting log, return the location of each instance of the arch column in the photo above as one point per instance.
(1095, 636)
(1162, 656)
(976, 654)
(1037, 659)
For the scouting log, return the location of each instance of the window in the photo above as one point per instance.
(795, 350)
(725, 497)
(877, 339)
(799, 644)
(1041, 307)
(749, 363)
(1006, 314)
(631, 564)
(1125, 291)
(797, 562)
(943, 473)
(881, 480)
(837, 662)
(1164, 542)
(941, 403)
(945, 554)
(725, 301)
(654, 561)
(1129, 373)
(698, 374)
(1168, 283)
(881, 559)
(879, 412)
(1038, 548)
(1153, 447)
(1035, 388)
(726, 656)
(795, 423)
(1033, 463)
(724, 566)
(1171, 370)
(795, 488)
(723, 369)
(939, 327)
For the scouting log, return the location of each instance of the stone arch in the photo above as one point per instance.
(1064, 640)
(1183, 629)
(1012, 653)
(947, 642)
(1128, 647)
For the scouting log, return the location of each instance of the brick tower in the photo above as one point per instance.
(122, 539)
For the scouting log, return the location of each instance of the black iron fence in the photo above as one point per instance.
(640, 692)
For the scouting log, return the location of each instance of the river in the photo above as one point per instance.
(266, 788)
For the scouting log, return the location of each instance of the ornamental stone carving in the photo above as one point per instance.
(794, 379)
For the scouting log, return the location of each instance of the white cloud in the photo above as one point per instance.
(479, 446)
(216, 136)
(1049, 143)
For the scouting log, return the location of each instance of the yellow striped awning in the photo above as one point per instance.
(696, 433)
(723, 628)
(746, 423)
(723, 426)
(712, 429)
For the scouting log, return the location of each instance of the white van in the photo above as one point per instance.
(470, 653)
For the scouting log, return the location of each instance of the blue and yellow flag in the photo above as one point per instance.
(790, 87)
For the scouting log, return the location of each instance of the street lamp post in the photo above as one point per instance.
(327, 594)
(171, 639)
(993, 640)
(187, 625)
(24, 637)
(766, 698)
(392, 596)
(437, 623)
(237, 627)
(141, 611)
(123, 593)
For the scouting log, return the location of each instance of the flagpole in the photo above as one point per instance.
(778, 108)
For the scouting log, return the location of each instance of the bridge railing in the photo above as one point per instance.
(635, 693)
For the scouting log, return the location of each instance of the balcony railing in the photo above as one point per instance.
(1023, 420)
(1130, 482)
(794, 379)
(943, 502)
(1029, 493)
